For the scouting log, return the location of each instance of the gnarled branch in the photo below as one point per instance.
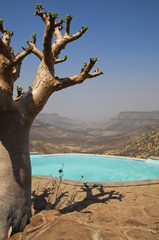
(36, 51)
(19, 58)
(58, 46)
(45, 82)
(77, 79)
(5, 48)
(51, 51)
(68, 21)
(50, 26)
(39, 11)
(6, 35)
(58, 34)
(2, 48)
(61, 60)
(34, 48)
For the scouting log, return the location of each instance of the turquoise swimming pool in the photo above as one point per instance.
(94, 168)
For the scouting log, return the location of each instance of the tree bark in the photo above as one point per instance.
(15, 172)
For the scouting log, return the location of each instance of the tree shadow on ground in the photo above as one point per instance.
(43, 201)
(101, 197)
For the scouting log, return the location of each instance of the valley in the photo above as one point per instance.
(122, 135)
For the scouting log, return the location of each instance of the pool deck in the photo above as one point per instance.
(97, 212)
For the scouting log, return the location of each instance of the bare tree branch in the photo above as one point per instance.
(51, 51)
(5, 41)
(95, 74)
(34, 48)
(67, 27)
(77, 79)
(2, 47)
(1, 26)
(36, 51)
(77, 35)
(61, 60)
(59, 23)
(39, 11)
(58, 46)
(6, 35)
(50, 25)
(45, 83)
(19, 58)
(89, 66)
(58, 34)
(84, 66)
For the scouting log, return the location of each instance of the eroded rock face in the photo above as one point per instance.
(124, 213)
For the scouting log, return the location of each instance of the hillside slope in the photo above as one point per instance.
(143, 147)
(59, 121)
(48, 138)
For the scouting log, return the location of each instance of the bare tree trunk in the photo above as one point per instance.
(16, 115)
(15, 173)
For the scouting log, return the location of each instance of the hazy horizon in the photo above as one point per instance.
(123, 34)
(98, 120)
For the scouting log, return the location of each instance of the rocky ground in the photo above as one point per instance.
(68, 212)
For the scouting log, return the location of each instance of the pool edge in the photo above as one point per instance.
(100, 155)
(104, 184)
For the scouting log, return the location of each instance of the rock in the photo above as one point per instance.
(50, 225)
(141, 234)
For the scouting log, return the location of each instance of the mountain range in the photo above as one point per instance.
(52, 133)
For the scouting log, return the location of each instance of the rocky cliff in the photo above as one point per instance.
(127, 121)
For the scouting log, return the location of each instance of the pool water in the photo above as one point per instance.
(94, 168)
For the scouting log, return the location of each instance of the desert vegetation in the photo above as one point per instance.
(143, 147)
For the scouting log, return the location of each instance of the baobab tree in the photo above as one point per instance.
(17, 114)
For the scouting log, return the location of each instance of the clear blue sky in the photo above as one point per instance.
(123, 34)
